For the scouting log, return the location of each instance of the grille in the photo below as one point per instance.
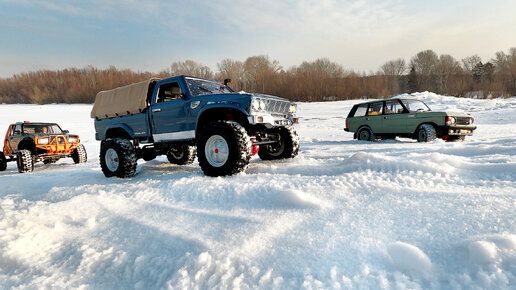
(462, 120)
(277, 107)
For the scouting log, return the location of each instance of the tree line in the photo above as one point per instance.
(318, 80)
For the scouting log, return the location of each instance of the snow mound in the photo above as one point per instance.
(409, 258)
(483, 252)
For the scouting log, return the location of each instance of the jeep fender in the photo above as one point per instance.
(221, 111)
(28, 144)
(119, 130)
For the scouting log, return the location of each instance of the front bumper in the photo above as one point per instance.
(270, 120)
(458, 130)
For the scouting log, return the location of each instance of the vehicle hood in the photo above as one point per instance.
(242, 94)
(442, 113)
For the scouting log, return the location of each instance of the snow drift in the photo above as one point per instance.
(343, 214)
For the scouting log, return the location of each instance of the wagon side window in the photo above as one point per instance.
(361, 110)
(393, 107)
(375, 109)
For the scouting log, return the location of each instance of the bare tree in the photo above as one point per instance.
(392, 71)
(395, 67)
(425, 63)
(469, 63)
(256, 71)
(233, 70)
(445, 68)
(190, 67)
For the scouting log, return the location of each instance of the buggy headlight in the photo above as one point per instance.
(72, 139)
(43, 141)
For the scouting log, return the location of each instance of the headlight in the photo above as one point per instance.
(43, 141)
(262, 105)
(292, 109)
(449, 120)
(256, 104)
(72, 139)
(471, 120)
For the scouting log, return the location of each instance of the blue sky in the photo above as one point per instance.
(150, 35)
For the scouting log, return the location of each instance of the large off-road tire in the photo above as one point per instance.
(223, 148)
(365, 134)
(79, 154)
(425, 133)
(286, 147)
(3, 162)
(118, 158)
(455, 138)
(25, 161)
(182, 155)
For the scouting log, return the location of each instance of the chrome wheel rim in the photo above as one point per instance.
(111, 159)
(216, 151)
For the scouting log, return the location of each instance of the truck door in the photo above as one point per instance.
(170, 114)
(394, 118)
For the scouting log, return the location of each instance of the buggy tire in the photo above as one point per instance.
(118, 158)
(3, 162)
(25, 161)
(223, 148)
(79, 154)
(286, 147)
(182, 155)
(365, 134)
(425, 133)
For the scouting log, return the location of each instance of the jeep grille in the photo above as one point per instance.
(462, 120)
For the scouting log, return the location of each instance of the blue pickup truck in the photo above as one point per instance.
(185, 116)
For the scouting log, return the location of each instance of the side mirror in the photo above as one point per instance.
(66, 131)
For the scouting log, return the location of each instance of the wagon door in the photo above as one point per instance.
(394, 118)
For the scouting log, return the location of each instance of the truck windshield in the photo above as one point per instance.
(415, 106)
(200, 87)
(41, 128)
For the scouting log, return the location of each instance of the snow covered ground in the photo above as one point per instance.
(343, 214)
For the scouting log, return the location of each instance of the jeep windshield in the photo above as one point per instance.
(415, 106)
(199, 87)
(41, 129)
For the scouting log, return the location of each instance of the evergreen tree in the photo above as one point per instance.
(412, 82)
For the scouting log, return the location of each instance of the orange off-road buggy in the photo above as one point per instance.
(28, 143)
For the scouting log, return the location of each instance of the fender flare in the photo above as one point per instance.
(121, 126)
(219, 106)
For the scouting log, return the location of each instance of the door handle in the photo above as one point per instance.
(156, 110)
(385, 118)
(367, 119)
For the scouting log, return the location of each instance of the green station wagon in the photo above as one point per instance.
(409, 118)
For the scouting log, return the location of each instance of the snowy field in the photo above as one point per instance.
(391, 214)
